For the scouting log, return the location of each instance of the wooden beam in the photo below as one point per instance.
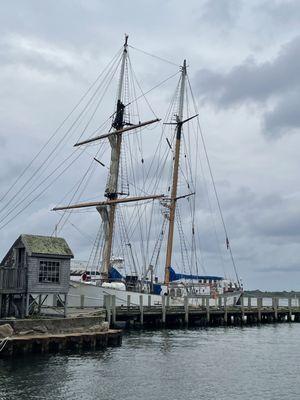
(109, 202)
(128, 128)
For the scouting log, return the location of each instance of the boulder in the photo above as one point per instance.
(24, 333)
(6, 331)
(40, 329)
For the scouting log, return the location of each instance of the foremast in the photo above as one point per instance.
(108, 212)
(172, 206)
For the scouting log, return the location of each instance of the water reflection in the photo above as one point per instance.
(224, 363)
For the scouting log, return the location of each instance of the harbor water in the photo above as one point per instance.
(261, 362)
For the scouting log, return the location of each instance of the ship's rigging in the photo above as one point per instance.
(150, 199)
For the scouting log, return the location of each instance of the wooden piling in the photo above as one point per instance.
(186, 310)
(128, 302)
(141, 310)
(163, 304)
(113, 310)
(207, 310)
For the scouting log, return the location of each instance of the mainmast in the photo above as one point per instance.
(111, 192)
(172, 206)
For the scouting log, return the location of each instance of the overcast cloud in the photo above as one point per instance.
(244, 62)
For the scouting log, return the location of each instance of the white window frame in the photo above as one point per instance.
(49, 272)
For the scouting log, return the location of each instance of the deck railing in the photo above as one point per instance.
(12, 280)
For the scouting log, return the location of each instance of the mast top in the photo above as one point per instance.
(126, 41)
(183, 68)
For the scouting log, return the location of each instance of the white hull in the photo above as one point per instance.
(88, 295)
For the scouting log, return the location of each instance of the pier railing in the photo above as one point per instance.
(12, 280)
(249, 309)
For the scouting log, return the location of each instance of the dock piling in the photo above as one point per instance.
(186, 310)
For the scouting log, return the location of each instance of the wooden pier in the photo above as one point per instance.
(57, 335)
(58, 343)
(251, 309)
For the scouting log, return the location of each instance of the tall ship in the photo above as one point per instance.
(149, 167)
(115, 269)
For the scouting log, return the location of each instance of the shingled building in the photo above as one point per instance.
(34, 268)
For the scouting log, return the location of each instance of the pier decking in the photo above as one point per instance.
(252, 309)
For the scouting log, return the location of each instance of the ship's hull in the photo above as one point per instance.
(89, 295)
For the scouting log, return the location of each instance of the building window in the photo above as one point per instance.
(49, 272)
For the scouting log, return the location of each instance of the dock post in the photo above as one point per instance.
(249, 302)
(113, 309)
(128, 302)
(259, 306)
(82, 301)
(163, 305)
(207, 310)
(1, 305)
(225, 310)
(242, 310)
(203, 302)
(66, 306)
(186, 310)
(27, 305)
(168, 301)
(149, 300)
(290, 310)
(141, 310)
(107, 305)
(275, 307)
(220, 301)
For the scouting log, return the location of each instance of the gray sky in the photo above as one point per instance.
(243, 59)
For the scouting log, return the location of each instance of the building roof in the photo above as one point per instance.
(46, 245)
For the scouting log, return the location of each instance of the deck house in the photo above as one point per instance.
(34, 268)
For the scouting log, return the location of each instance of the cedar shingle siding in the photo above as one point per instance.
(29, 250)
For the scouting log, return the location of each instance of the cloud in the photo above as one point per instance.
(274, 83)
(247, 62)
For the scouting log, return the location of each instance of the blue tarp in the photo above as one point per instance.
(156, 288)
(176, 277)
(114, 275)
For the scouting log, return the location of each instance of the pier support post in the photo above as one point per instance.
(128, 302)
(225, 311)
(149, 300)
(249, 302)
(242, 310)
(107, 305)
(275, 307)
(27, 305)
(290, 309)
(163, 305)
(82, 301)
(259, 306)
(207, 310)
(113, 310)
(168, 301)
(220, 301)
(66, 305)
(141, 310)
(186, 310)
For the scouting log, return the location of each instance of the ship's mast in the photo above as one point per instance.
(111, 191)
(107, 209)
(175, 174)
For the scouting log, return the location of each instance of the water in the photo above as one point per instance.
(218, 363)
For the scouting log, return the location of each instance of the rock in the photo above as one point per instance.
(6, 331)
(24, 333)
(95, 328)
(40, 329)
(105, 326)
